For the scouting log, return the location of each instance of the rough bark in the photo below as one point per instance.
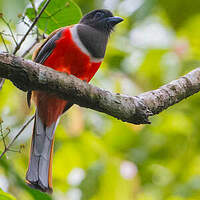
(27, 75)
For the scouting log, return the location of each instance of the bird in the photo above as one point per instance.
(78, 50)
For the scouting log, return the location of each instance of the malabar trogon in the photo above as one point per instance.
(79, 50)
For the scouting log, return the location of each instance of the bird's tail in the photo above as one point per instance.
(39, 174)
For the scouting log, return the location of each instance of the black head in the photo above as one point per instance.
(101, 19)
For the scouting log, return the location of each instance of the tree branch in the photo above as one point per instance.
(27, 75)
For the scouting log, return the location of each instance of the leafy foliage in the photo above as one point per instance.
(58, 14)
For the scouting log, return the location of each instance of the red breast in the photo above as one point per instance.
(70, 56)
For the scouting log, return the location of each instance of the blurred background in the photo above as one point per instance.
(96, 156)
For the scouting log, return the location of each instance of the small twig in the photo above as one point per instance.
(26, 23)
(33, 5)
(35, 11)
(4, 43)
(7, 148)
(8, 25)
(2, 80)
(5, 34)
(18, 34)
(13, 150)
(29, 49)
(3, 137)
(31, 27)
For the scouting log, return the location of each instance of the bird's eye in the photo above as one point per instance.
(98, 15)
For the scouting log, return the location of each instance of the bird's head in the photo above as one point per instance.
(101, 19)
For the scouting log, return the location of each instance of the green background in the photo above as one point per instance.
(158, 41)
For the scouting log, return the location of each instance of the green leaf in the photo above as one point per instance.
(6, 196)
(58, 13)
